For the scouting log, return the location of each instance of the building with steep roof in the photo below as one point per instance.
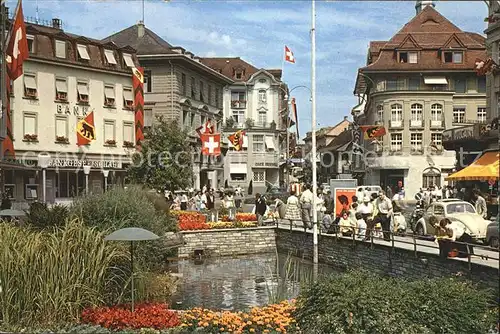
(65, 78)
(416, 84)
(256, 102)
(179, 86)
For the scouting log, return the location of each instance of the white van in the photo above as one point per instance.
(363, 191)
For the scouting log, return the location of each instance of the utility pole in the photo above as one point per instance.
(313, 133)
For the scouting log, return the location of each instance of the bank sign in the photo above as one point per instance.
(75, 163)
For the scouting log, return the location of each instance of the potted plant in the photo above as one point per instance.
(229, 123)
(30, 137)
(249, 123)
(128, 144)
(110, 142)
(62, 140)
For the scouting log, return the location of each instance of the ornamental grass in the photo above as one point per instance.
(276, 318)
(48, 277)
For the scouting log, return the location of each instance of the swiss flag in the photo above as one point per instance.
(289, 55)
(17, 48)
(210, 144)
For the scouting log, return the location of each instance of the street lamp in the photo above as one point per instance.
(43, 162)
(313, 134)
(86, 171)
(105, 173)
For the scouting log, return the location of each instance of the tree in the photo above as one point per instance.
(165, 159)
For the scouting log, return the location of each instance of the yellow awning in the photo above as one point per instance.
(483, 169)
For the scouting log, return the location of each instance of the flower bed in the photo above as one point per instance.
(192, 220)
(119, 317)
(275, 318)
(223, 224)
(241, 217)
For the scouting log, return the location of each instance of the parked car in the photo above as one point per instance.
(361, 191)
(462, 214)
(492, 232)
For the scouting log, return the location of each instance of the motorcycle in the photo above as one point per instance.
(417, 214)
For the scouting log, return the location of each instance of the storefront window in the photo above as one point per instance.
(30, 186)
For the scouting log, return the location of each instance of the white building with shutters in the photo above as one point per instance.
(65, 78)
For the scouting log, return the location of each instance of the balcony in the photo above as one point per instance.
(396, 124)
(436, 124)
(414, 123)
(265, 159)
(417, 150)
(238, 104)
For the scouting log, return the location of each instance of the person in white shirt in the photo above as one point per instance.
(361, 229)
(203, 201)
(366, 208)
(383, 206)
(306, 200)
(184, 201)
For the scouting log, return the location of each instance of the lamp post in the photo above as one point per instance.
(86, 171)
(313, 133)
(106, 174)
(43, 162)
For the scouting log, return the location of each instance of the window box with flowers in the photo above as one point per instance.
(129, 105)
(128, 144)
(110, 142)
(62, 140)
(30, 138)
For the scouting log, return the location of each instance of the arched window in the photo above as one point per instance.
(431, 177)
(416, 112)
(436, 112)
(262, 96)
(396, 112)
(380, 113)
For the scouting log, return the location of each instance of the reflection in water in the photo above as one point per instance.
(238, 283)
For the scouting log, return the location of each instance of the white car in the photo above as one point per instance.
(462, 214)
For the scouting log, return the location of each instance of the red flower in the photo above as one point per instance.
(119, 317)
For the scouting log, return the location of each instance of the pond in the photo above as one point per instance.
(239, 283)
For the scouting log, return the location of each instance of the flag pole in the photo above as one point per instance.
(313, 134)
(3, 79)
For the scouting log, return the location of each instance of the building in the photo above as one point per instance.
(493, 43)
(417, 84)
(257, 102)
(65, 78)
(179, 86)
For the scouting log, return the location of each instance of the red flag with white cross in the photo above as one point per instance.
(210, 144)
(289, 55)
(17, 48)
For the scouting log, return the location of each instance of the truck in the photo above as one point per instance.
(342, 183)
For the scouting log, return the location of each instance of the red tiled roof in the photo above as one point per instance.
(428, 32)
(228, 66)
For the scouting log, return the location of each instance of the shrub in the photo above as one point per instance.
(156, 316)
(41, 216)
(131, 207)
(48, 277)
(360, 302)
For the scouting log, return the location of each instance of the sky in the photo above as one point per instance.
(257, 31)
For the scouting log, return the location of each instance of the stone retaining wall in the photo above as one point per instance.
(226, 242)
(345, 253)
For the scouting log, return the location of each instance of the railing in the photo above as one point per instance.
(396, 124)
(436, 124)
(416, 123)
(372, 235)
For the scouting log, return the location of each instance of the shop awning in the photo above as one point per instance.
(483, 169)
(435, 81)
(237, 168)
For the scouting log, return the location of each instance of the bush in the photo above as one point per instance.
(41, 216)
(49, 277)
(360, 302)
(131, 207)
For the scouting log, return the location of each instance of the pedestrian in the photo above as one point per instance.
(203, 201)
(292, 212)
(306, 200)
(230, 205)
(445, 236)
(329, 203)
(184, 201)
(480, 204)
(346, 225)
(320, 206)
(361, 226)
(280, 207)
(260, 208)
(211, 206)
(383, 206)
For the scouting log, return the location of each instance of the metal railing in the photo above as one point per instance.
(371, 235)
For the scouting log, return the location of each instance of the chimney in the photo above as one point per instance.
(421, 4)
(56, 23)
(346, 118)
(140, 29)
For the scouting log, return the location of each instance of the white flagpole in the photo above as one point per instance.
(313, 134)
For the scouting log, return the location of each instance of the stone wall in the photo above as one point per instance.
(225, 242)
(345, 253)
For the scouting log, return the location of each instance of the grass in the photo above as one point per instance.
(48, 277)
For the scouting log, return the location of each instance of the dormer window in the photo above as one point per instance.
(60, 49)
(238, 73)
(83, 53)
(455, 57)
(127, 58)
(110, 57)
(408, 57)
(31, 43)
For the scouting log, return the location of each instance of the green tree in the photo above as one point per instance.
(165, 159)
